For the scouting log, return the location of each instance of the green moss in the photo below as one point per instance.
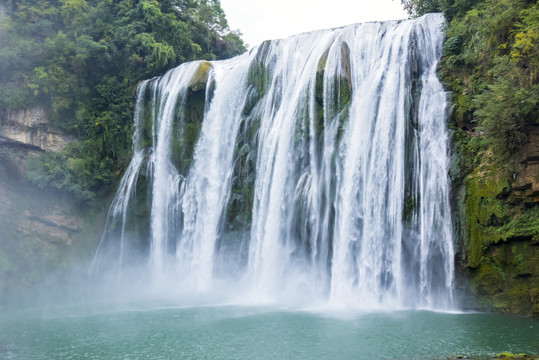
(487, 279)
(186, 129)
(520, 298)
(258, 80)
(339, 105)
(259, 77)
(522, 226)
(147, 123)
(507, 278)
(484, 208)
(240, 205)
(501, 302)
(251, 102)
(506, 355)
(199, 80)
(322, 62)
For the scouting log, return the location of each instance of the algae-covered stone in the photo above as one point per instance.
(188, 123)
(334, 108)
(506, 355)
(240, 205)
(499, 245)
(259, 73)
(199, 80)
(483, 188)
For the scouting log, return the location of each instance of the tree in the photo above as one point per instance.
(82, 60)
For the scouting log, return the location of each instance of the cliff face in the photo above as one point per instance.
(498, 220)
(526, 177)
(42, 231)
(31, 127)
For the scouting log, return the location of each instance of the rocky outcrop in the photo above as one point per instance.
(497, 219)
(42, 232)
(526, 177)
(31, 127)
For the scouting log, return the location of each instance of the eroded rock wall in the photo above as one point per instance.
(526, 175)
(42, 232)
(31, 127)
(497, 216)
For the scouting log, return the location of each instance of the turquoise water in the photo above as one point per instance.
(242, 332)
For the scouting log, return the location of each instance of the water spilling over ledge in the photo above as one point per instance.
(311, 169)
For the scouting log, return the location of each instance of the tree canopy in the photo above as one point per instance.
(82, 60)
(490, 64)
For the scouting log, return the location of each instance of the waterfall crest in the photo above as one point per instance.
(313, 168)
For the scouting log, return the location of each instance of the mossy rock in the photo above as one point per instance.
(262, 52)
(259, 73)
(505, 355)
(259, 77)
(342, 83)
(488, 280)
(147, 121)
(199, 80)
(322, 62)
(507, 280)
(188, 122)
(346, 71)
(240, 205)
(484, 187)
(523, 226)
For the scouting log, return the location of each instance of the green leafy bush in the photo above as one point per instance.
(82, 61)
(490, 65)
(74, 169)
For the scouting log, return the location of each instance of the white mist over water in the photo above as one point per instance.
(347, 198)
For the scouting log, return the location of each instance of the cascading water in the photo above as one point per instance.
(313, 167)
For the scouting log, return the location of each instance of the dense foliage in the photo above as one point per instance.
(82, 60)
(491, 60)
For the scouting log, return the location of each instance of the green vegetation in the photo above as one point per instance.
(82, 60)
(490, 65)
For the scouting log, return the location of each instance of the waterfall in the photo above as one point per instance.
(313, 168)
